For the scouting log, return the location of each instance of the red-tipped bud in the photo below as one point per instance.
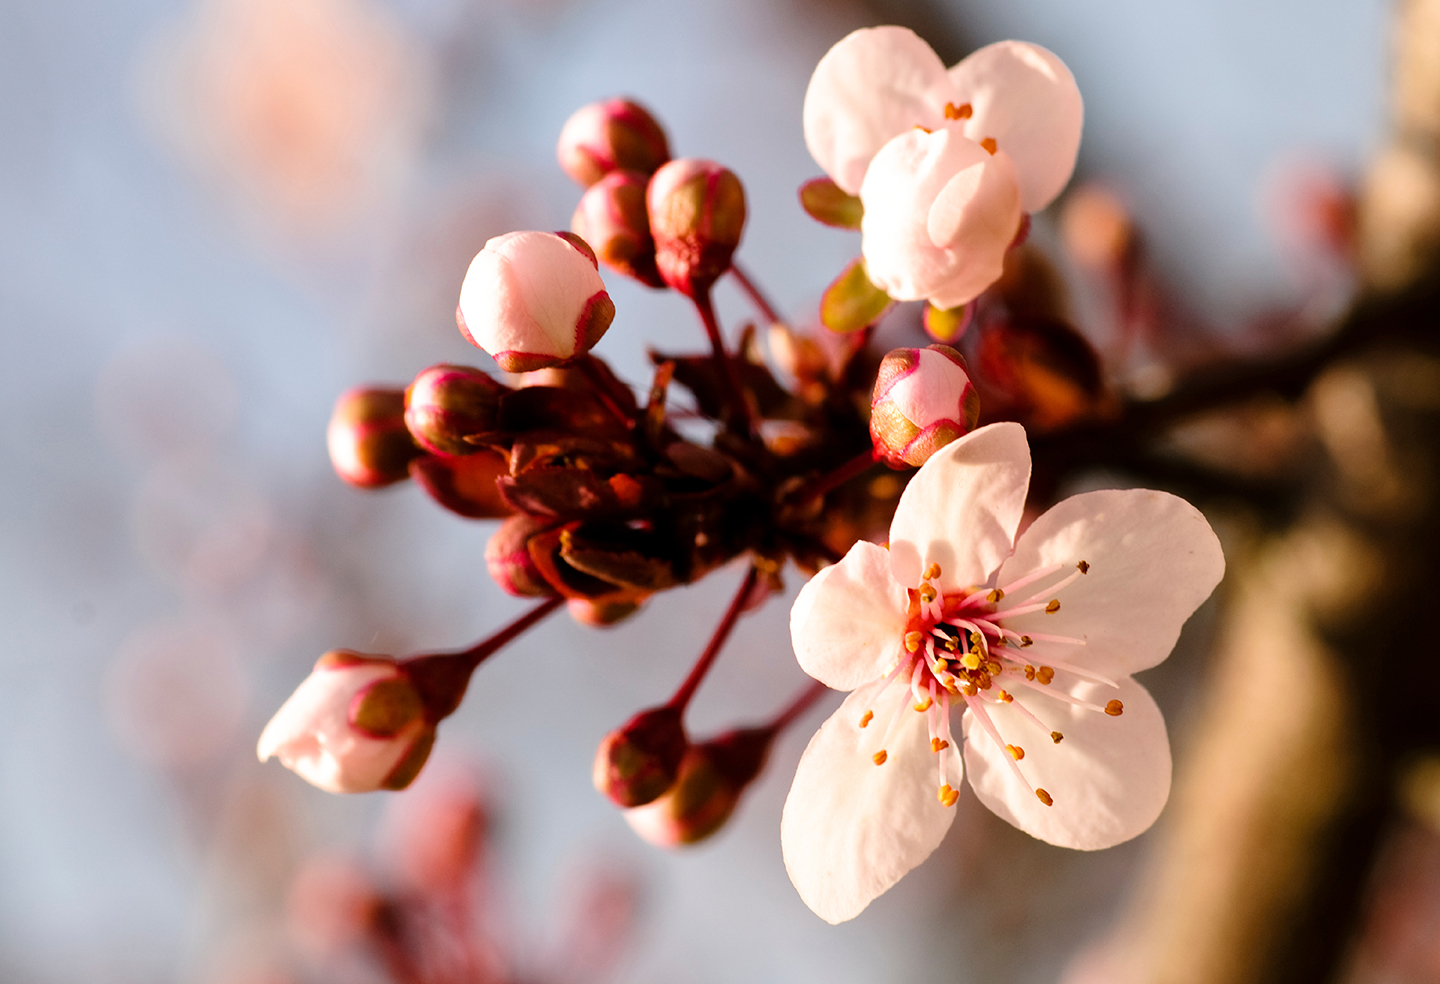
(697, 215)
(612, 218)
(923, 400)
(369, 444)
(637, 763)
(711, 778)
(446, 404)
(607, 136)
(534, 300)
(507, 556)
(465, 486)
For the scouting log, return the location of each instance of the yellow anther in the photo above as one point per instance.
(1114, 708)
(994, 667)
(948, 796)
(1016, 752)
(1056, 736)
(985, 680)
(1083, 567)
(970, 689)
(989, 144)
(932, 572)
(923, 129)
(1053, 607)
(1045, 674)
(913, 641)
(927, 593)
(995, 596)
(1026, 641)
(1029, 672)
(866, 718)
(924, 705)
(971, 661)
(961, 112)
(1004, 697)
(1044, 797)
(938, 744)
(879, 757)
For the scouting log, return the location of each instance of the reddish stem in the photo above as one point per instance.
(797, 707)
(757, 297)
(728, 372)
(722, 632)
(857, 465)
(441, 678)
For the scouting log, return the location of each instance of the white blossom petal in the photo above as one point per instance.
(851, 828)
(873, 84)
(1152, 560)
(961, 509)
(1025, 99)
(849, 619)
(1108, 778)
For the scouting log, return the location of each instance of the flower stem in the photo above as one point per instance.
(722, 632)
(441, 678)
(757, 297)
(797, 707)
(827, 483)
(740, 407)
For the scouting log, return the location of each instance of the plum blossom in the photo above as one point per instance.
(946, 162)
(1034, 640)
(534, 300)
(354, 725)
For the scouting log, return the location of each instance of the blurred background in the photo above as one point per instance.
(215, 215)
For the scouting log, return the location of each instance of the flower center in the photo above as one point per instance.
(959, 646)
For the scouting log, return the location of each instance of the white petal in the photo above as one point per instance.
(961, 509)
(851, 828)
(934, 390)
(1024, 98)
(1153, 559)
(873, 84)
(1108, 778)
(848, 622)
(975, 217)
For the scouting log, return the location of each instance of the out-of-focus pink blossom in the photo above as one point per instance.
(945, 162)
(1036, 636)
(355, 725)
(534, 300)
(923, 400)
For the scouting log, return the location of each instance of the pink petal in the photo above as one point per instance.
(934, 390)
(851, 828)
(873, 84)
(849, 620)
(940, 213)
(1025, 99)
(1153, 559)
(961, 509)
(525, 294)
(1108, 778)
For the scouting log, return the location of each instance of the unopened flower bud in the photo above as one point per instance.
(369, 445)
(711, 778)
(612, 218)
(923, 400)
(534, 299)
(613, 135)
(601, 612)
(465, 486)
(637, 763)
(507, 556)
(446, 404)
(697, 214)
(356, 724)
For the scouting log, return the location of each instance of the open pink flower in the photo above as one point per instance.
(1034, 639)
(946, 162)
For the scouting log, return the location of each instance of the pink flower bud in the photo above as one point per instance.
(923, 400)
(355, 724)
(613, 135)
(638, 762)
(612, 218)
(446, 404)
(533, 300)
(708, 786)
(369, 445)
(507, 556)
(465, 486)
(697, 214)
